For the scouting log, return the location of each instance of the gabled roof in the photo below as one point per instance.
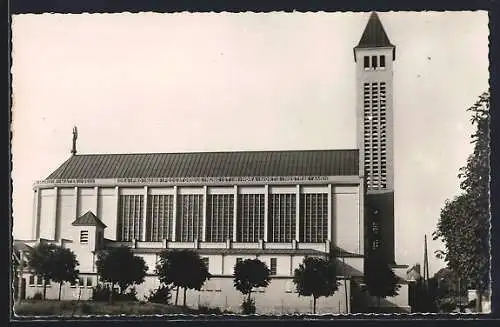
(374, 35)
(21, 246)
(88, 219)
(210, 164)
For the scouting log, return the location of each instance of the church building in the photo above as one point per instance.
(277, 206)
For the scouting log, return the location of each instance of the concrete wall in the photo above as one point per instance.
(87, 200)
(66, 211)
(348, 226)
(107, 211)
(47, 213)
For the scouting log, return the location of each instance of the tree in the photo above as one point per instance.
(380, 280)
(316, 277)
(120, 266)
(39, 262)
(463, 224)
(182, 268)
(16, 267)
(63, 265)
(449, 290)
(249, 274)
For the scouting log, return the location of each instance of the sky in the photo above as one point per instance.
(182, 82)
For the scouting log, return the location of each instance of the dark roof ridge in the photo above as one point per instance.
(210, 152)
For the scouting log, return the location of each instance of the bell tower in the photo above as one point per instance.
(374, 56)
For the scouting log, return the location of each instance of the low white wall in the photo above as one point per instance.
(278, 298)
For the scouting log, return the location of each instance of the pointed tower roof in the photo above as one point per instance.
(88, 219)
(374, 35)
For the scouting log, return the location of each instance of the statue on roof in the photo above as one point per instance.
(75, 136)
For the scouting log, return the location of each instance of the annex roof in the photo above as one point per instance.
(88, 219)
(210, 164)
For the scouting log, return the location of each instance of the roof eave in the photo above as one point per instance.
(392, 46)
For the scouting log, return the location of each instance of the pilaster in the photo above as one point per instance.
(235, 214)
(266, 213)
(330, 216)
(144, 214)
(297, 213)
(174, 215)
(204, 215)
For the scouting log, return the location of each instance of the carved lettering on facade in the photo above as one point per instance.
(183, 180)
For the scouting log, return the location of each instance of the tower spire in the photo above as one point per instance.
(426, 261)
(374, 36)
(75, 136)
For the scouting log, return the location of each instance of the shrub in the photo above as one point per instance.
(131, 295)
(248, 306)
(160, 295)
(86, 308)
(37, 296)
(202, 309)
(101, 293)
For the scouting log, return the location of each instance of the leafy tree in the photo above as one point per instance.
(249, 274)
(63, 265)
(464, 221)
(380, 280)
(182, 268)
(316, 277)
(39, 262)
(449, 290)
(16, 271)
(120, 266)
(423, 295)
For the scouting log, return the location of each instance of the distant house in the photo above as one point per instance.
(413, 274)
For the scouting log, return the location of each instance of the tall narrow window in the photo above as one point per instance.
(282, 218)
(313, 218)
(220, 212)
(190, 217)
(84, 236)
(39, 280)
(159, 217)
(274, 264)
(382, 61)
(366, 62)
(130, 217)
(374, 62)
(250, 223)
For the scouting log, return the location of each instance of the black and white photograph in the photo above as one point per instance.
(279, 163)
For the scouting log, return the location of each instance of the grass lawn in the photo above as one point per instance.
(83, 308)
